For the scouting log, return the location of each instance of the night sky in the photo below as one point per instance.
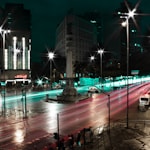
(47, 14)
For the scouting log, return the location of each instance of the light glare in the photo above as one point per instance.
(92, 57)
(100, 51)
(50, 55)
(124, 24)
(131, 13)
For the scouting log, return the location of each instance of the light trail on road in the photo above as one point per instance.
(42, 116)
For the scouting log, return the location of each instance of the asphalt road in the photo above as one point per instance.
(43, 117)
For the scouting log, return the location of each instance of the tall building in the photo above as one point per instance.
(15, 45)
(96, 18)
(77, 35)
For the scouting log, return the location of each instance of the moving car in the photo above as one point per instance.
(93, 89)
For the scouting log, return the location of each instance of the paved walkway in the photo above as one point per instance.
(92, 139)
(135, 137)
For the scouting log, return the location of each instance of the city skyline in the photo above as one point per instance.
(46, 15)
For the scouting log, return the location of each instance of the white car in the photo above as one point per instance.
(93, 89)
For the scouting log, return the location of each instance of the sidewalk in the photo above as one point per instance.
(137, 136)
(92, 143)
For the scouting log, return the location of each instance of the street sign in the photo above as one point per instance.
(134, 72)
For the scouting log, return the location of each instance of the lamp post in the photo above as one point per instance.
(24, 100)
(51, 56)
(3, 33)
(109, 111)
(127, 27)
(127, 16)
(108, 95)
(92, 58)
(58, 141)
(100, 52)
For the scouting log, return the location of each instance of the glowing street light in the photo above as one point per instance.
(131, 13)
(92, 58)
(127, 16)
(100, 52)
(51, 56)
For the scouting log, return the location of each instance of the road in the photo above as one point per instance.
(42, 117)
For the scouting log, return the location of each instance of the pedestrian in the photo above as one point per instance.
(69, 141)
(45, 148)
(72, 140)
(78, 139)
(50, 146)
(62, 144)
(91, 135)
(35, 147)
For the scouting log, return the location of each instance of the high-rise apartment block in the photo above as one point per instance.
(77, 35)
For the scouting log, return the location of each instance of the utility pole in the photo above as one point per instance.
(24, 100)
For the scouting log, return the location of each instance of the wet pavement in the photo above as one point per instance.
(36, 114)
(135, 137)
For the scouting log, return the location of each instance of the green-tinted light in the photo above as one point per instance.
(133, 30)
(3, 84)
(89, 81)
(39, 82)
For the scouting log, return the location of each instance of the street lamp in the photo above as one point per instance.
(3, 33)
(92, 58)
(50, 56)
(100, 52)
(24, 100)
(127, 16)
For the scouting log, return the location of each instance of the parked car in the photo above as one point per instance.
(144, 102)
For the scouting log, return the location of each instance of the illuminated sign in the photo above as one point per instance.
(21, 76)
(134, 72)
